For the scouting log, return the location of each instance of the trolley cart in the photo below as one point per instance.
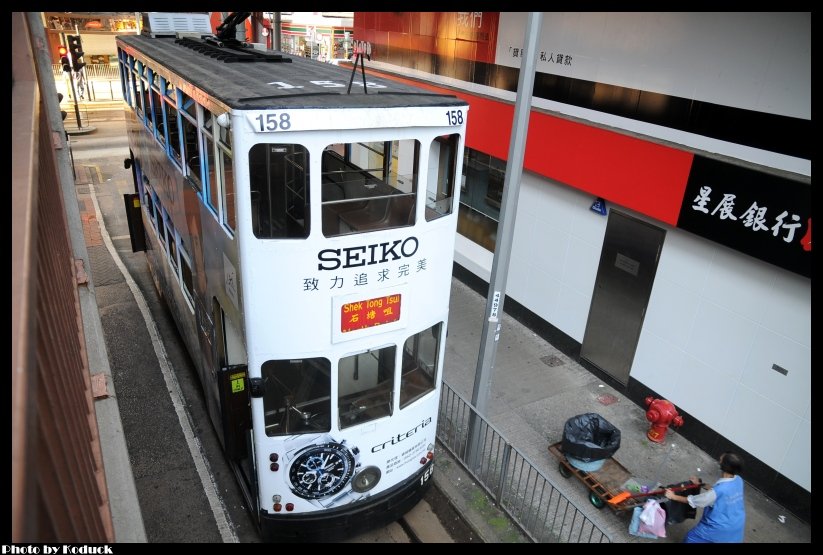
(604, 484)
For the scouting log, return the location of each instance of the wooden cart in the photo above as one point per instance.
(603, 484)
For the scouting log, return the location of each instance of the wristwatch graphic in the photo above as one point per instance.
(322, 472)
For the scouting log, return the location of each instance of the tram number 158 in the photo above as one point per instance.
(427, 474)
(273, 122)
(455, 117)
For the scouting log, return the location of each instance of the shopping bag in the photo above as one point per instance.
(634, 525)
(652, 519)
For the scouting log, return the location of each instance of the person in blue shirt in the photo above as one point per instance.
(724, 510)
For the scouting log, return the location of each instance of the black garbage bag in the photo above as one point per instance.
(590, 437)
(678, 512)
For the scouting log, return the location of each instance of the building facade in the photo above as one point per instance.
(663, 227)
(318, 35)
(96, 29)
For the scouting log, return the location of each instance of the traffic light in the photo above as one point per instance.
(64, 58)
(76, 51)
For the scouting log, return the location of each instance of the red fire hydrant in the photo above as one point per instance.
(661, 413)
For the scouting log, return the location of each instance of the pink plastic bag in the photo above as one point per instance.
(653, 519)
(634, 526)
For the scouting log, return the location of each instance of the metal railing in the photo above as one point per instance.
(527, 497)
(92, 71)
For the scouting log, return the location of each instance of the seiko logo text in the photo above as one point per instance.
(366, 255)
(400, 437)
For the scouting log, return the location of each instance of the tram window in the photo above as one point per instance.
(149, 205)
(172, 246)
(191, 150)
(365, 383)
(188, 106)
(229, 200)
(145, 103)
(172, 121)
(125, 78)
(156, 214)
(442, 172)
(279, 183)
(137, 101)
(170, 233)
(297, 396)
(419, 364)
(211, 168)
(161, 223)
(157, 108)
(186, 276)
(369, 186)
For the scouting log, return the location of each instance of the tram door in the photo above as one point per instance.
(628, 263)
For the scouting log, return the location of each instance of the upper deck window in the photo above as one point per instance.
(279, 183)
(229, 211)
(172, 122)
(191, 143)
(141, 85)
(156, 116)
(369, 186)
(210, 165)
(442, 176)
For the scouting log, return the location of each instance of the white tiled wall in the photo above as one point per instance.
(717, 321)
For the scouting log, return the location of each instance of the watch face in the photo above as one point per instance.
(321, 470)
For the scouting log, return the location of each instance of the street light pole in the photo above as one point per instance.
(492, 325)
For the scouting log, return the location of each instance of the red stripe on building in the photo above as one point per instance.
(640, 175)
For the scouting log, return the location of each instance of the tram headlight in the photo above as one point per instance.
(366, 479)
(223, 120)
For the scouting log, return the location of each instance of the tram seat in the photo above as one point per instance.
(382, 213)
(427, 353)
(331, 220)
(194, 165)
(333, 189)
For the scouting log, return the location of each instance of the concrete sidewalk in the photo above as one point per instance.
(535, 389)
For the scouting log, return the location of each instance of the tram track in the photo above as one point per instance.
(409, 530)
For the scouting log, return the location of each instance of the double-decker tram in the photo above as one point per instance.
(299, 219)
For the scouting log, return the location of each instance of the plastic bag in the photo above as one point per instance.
(590, 437)
(634, 525)
(652, 519)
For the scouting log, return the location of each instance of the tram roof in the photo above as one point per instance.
(246, 85)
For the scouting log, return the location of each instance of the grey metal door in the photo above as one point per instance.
(628, 263)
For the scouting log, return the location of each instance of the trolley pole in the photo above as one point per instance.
(500, 266)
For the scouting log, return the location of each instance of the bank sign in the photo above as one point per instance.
(762, 215)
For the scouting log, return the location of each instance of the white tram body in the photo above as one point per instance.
(299, 220)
